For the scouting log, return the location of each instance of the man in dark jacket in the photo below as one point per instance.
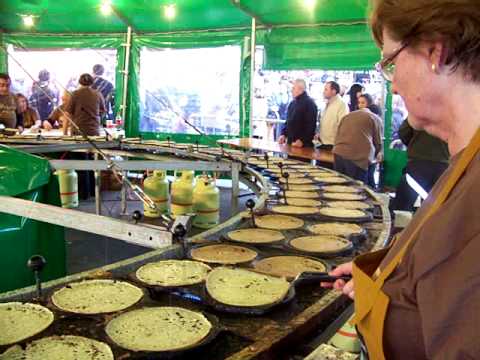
(299, 129)
(428, 158)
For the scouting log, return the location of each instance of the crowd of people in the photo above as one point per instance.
(352, 131)
(45, 109)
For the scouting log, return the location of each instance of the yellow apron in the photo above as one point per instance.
(371, 303)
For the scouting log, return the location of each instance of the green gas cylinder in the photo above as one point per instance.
(156, 187)
(68, 181)
(206, 203)
(182, 193)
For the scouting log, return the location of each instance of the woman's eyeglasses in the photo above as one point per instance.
(386, 66)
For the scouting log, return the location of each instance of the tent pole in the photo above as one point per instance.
(253, 44)
(125, 74)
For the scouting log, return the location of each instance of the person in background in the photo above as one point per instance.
(366, 101)
(27, 116)
(334, 112)
(58, 115)
(419, 298)
(104, 87)
(43, 98)
(299, 129)
(355, 91)
(8, 104)
(428, 158)
(357, 144)
(85, 108)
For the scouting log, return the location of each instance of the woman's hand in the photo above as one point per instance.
(340, 285)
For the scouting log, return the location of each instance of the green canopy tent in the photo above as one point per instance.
(296, 34)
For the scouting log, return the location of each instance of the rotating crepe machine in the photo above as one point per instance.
(237, 333)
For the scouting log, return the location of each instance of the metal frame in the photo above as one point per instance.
(148, 236)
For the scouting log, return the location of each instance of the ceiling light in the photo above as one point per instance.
(310, 4)
(170, 11)
(28, 20)
(106, 8)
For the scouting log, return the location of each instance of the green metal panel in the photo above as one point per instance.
(21, 172)
(28, 177)
(395, 160)
(21, 238)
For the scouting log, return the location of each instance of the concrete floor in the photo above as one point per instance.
(87, 251)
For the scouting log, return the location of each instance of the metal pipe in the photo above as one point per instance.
(235, 186)
(123, 207)
(98, 200)
(128, 46)
(253, 43)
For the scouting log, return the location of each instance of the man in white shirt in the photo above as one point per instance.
(334, 112)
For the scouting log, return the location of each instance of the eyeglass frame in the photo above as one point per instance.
(381, 66)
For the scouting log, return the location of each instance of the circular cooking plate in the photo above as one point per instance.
(22, 321)
(159, 329)
(170, 273)
(321, 244)
(289, 266)
(225, 254)
(294, 210)
(342, 196)
(98, 296)
(336, 229)
(360, 205)
(278, 222)
(61, 347)
(255, 236)
(340, 214)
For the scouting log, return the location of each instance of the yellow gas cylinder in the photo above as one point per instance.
(206, 203)
(346, 338)
(68, 181)
(156, 187)
(182, 193)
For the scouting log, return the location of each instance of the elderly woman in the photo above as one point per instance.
(59, 114)
(420, 298)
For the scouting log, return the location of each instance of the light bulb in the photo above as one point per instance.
(170, 11)
(310, 4)
(28, 20)
(106, 8)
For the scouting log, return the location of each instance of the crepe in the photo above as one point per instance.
(342, 196)
(96, 296)
(342, 213)
(299, 194)
(296, 181)
(256, 236)
(341, 189)
(173, 273)
(64, 347)
(301, 187)
(278, 222)
(303, 202)
(335, 229)
(331, 179)
(223, 254)
(19, 321)
(294, 210)
(240, 287)
(320, 244)
(289, 266)
(349, 205)
(158, 329)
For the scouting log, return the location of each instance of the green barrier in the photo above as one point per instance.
(28, 177)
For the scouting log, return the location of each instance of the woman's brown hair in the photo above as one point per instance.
(455, 23)
(30, 116)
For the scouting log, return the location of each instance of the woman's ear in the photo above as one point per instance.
(437, 56)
